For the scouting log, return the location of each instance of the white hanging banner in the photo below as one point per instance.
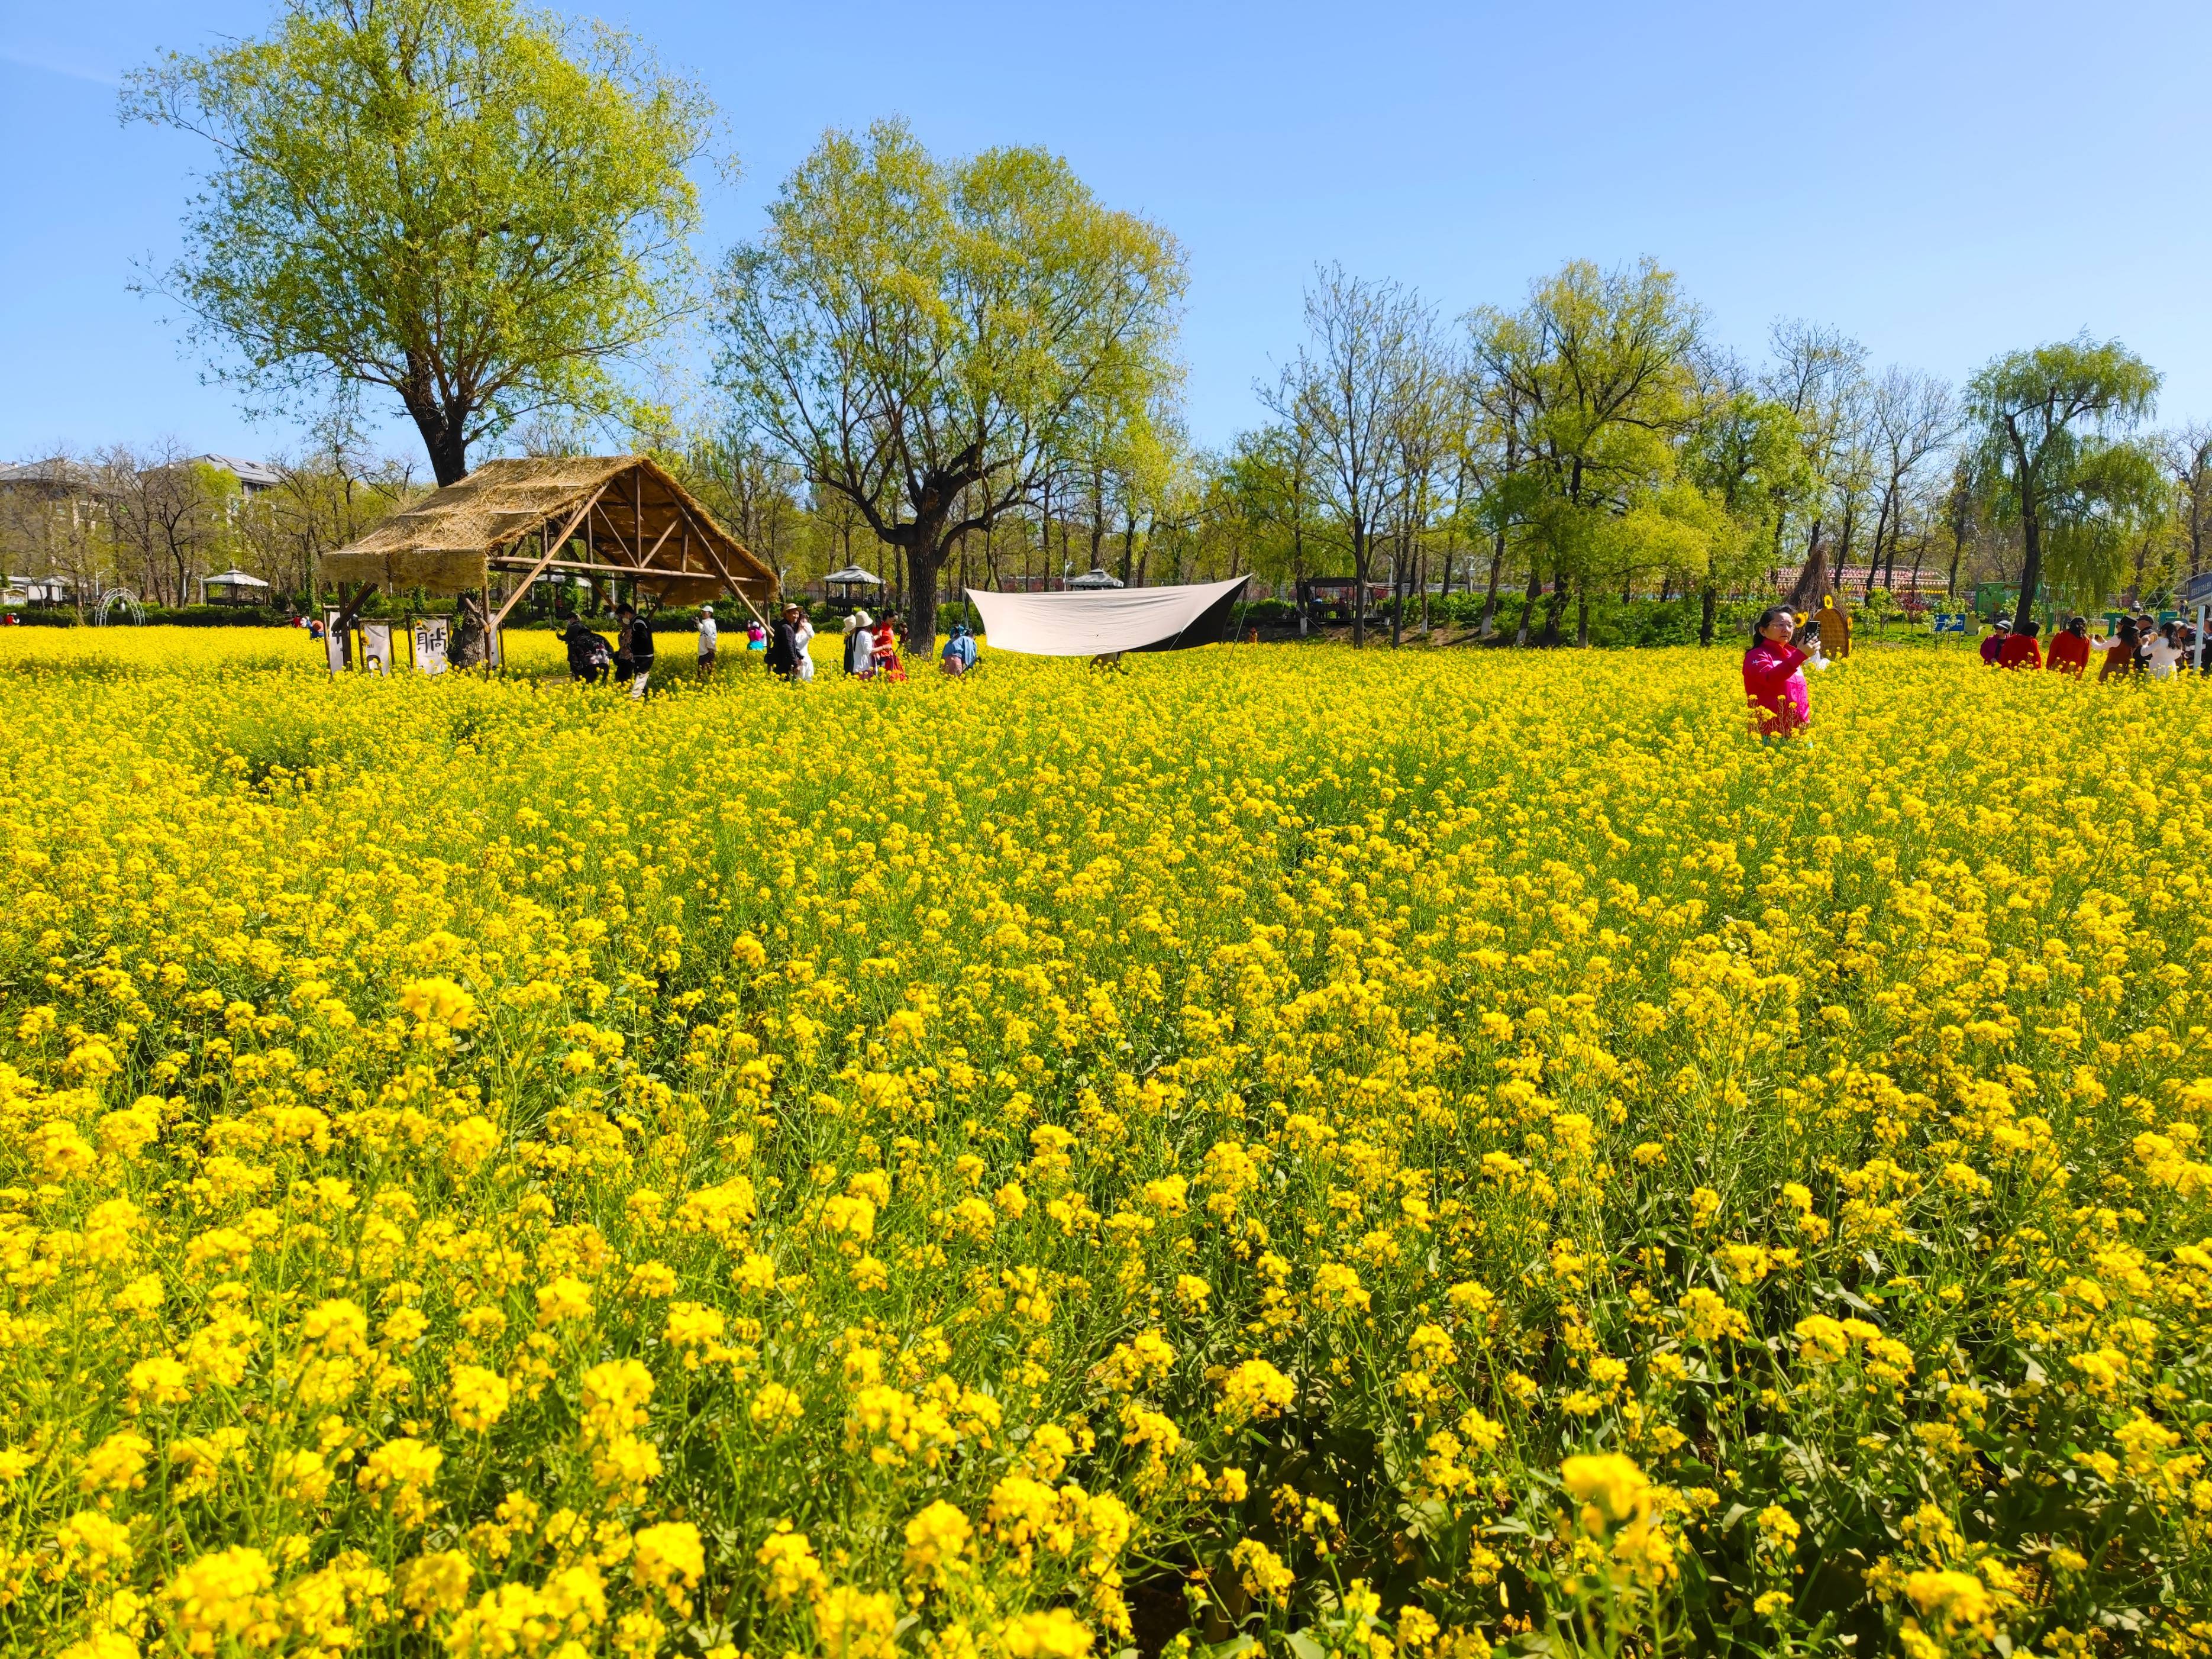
(334, 642)
(376, 647)
(430, 645)
(1098, 623)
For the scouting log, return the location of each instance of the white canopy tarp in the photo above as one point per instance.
(1095, 624)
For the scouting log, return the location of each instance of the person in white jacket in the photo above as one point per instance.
(802, 634)
(859, 645)
(2164, 653)
(710, 634)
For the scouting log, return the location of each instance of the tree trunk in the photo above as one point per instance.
(1528, 601)
(2031, 534)
(471, 646)
(1582, 615)
(1490, 597)
(1555, 607)
(444, 435)
(1708, 605)
(1361, 554)
(1398, 595)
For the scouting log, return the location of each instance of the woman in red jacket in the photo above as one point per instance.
(2019, 649)
(2069, 648)
(1774, 675)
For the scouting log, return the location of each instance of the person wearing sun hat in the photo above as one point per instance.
(710, 634)
(859, 645)
(1993, 646)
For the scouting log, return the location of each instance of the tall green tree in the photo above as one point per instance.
(1268, 493)
(928, 338)
(1817, 375)
(2055, 427)
(1743, 450)
(1359, 383)
(1602, 363)
(478, 207)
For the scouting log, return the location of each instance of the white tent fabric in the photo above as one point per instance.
(1092, 625)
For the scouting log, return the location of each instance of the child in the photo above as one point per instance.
(1774, 675)
(886, 656)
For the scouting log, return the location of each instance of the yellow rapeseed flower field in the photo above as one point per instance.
(1375, 1154)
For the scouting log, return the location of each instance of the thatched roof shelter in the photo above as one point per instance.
(618, 517)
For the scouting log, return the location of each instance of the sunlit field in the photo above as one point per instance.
(1374, 1154)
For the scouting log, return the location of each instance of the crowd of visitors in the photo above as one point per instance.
(2140, 644)
(1781, 702)
(871, 647)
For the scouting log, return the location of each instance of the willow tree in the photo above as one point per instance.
(926, 338)
(2056, 455)
(477, 207)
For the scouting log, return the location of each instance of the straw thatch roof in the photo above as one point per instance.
(625, 517)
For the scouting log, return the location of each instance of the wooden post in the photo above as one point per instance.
(352, 605)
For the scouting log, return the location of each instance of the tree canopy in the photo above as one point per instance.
(2056, 453)
(476, 206)
(926, 338)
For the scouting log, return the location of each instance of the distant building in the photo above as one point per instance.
(253, 477)
(55, 478)
(43, 591)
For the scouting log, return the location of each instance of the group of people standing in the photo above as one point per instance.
(871, 647)
(2140, 645)
(1782, 703)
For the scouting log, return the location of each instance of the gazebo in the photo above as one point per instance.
(849, 588)
(613, 518)
(232, 586)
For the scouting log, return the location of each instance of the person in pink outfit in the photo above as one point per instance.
(1774, 675)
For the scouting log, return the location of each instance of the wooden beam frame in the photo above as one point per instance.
(351, 608)
(545, 547)
(730, 582)
(707, 546)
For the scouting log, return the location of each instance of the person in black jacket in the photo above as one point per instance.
(783, 647)
(589, 660)
(637, 638)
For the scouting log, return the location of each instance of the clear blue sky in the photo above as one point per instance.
(1943, 180)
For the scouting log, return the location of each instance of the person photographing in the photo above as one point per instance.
(1774, 675)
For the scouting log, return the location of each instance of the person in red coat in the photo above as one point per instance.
(2069, 648)
(1774, 675)
(2019, 649)
(1995, 641)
